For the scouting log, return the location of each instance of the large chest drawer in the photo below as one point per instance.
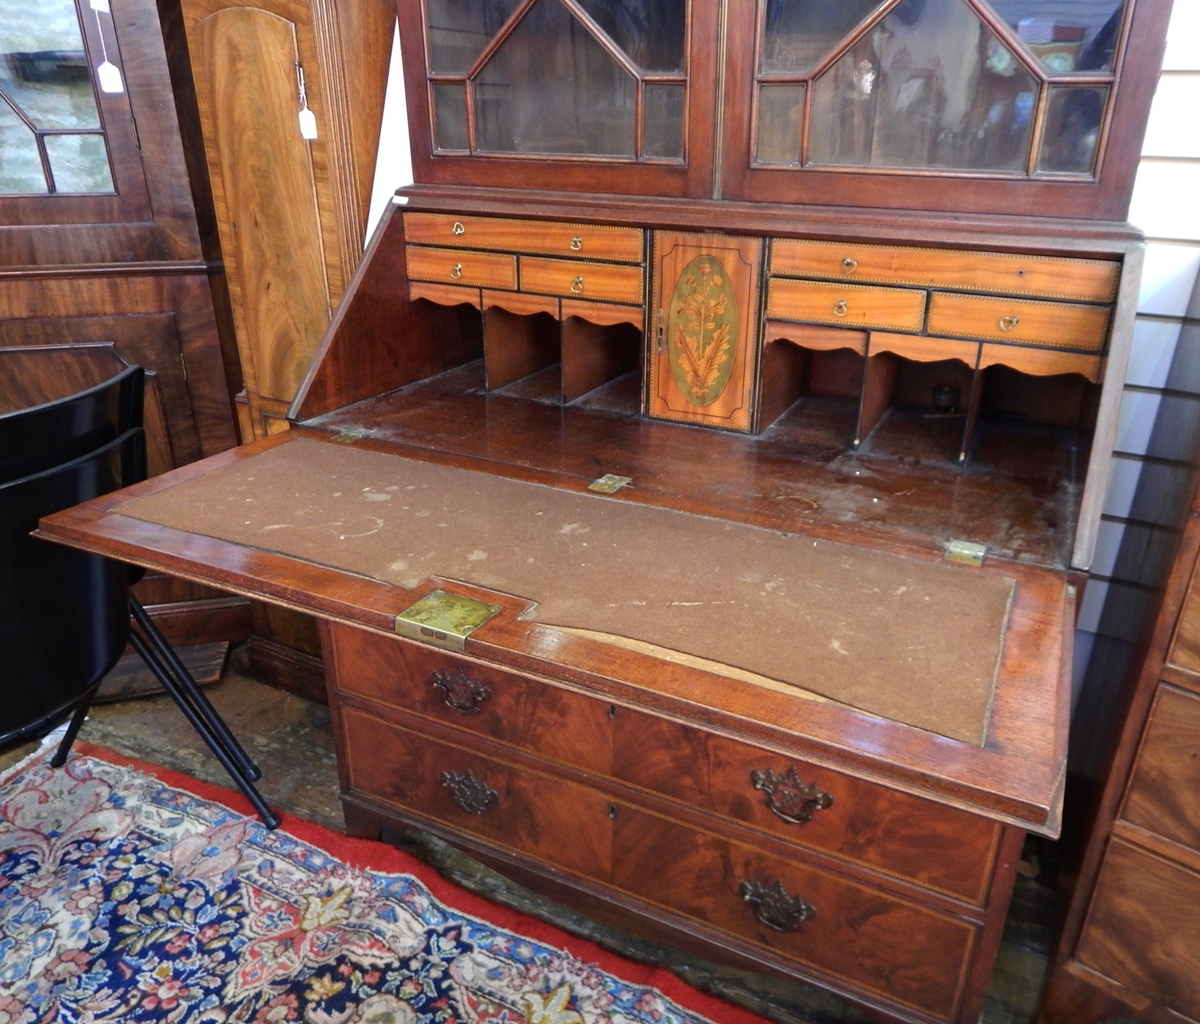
(1164, 791)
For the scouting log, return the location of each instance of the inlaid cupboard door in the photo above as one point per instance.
(703, 319)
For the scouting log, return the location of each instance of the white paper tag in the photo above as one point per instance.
(109, 77)
(308, 124)
(100, 5)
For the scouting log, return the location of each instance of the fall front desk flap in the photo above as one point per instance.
(912, 641)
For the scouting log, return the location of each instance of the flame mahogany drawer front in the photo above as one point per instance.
(456, 266)
(581, 280)
(1019, 321)
(1010, 273)
(851, 932)
(850, 305)
(864, 823)
(585, 241)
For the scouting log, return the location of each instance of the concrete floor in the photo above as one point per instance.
(291, 741)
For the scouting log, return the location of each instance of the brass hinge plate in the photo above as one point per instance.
(965, 552)
(444, 620)
(610, 483)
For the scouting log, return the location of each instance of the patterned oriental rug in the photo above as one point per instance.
(131, 893)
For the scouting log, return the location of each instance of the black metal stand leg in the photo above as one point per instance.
(189, 686)
(203, 727)
(81, 710)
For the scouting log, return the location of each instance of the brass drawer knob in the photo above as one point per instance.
(463, 694)
(471, 794)
(1007, 323)
(458, 228)
(577, 285)
(789, 798)
(576, 243)
(850, 265)
(774, 907)
(456, 271)
(839, 308)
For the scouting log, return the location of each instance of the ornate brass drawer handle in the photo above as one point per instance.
(774, 907)
(789, 798)
(462, 693)
(576, 243)
(577, 285)
(458, 228)
(1007, 323)
(456, 271)
(850, 264)
(472, 795)
(839, 308)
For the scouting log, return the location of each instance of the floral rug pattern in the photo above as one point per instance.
(124, 899)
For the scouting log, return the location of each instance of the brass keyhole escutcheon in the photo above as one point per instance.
(577, 285)
(1007, 323)
(839, 308)
(850, 265)
(576, 243)
(456, 271)
(458, 228)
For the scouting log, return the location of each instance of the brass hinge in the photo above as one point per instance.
(965, 552)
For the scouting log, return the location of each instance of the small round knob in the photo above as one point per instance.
(1007, 323)
(850, 265)
(458, 228)
(577, 243)
(577, 285)
(456, 271)
(839, 308)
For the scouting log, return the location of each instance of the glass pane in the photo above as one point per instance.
(460, 29)
(798, 33)
(20, 167)
(79, 163)
(931, 86)
(1066, 35)
(1072, 130)
(551, 88)
(650, 32)
(450, 116)
(663, 134)
(780, 113)
(43, 67)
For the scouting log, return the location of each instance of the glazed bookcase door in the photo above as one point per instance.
(999, 106)
(562, 94)
(704, 318)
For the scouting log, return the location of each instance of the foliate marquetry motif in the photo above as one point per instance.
(702, 332)
(462, 693)
(774, 907)
(471, 794)
(792, 800)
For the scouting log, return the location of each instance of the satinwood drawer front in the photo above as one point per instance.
(587, 241)
(899, 309)
(1019, 321)
(552, 722)
(939, 847)
(458, 266)
(899, 950)
(556, 821)
(960, 270)
(1142, 928)
(1164, 791)
(581, 280)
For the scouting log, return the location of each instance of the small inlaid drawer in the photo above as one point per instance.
(556, 821)
(456, 266)
(522, 711)
(898, 309)
(814, 807)
(585, 241)
(575, 279)
(1019, 321)
(962, 270)
(846, 930)
(1164, 790)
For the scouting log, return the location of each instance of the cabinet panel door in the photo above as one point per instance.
(706, 312)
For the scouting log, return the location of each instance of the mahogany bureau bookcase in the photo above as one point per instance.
(696, 481)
